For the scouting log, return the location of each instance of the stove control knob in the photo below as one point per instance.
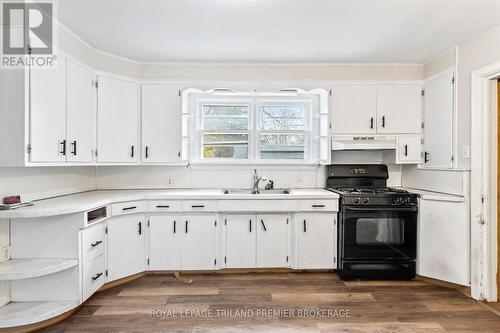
(365, 200)
(356, 200)
(398, 201)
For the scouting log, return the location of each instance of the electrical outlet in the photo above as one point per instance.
(466, 152)
(4, 253)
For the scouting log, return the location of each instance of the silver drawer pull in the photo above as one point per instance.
(318, 206)
(129, 208)
(198, 206)
(162, 206)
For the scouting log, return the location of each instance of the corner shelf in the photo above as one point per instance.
(16, 269)
(26, 313)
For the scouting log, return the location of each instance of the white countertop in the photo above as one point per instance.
(81, 202)
(430, 195)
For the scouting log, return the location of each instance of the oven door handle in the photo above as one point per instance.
(381, 209)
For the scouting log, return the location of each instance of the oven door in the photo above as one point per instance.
(379, 233)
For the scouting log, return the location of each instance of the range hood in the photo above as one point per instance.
(376, 142)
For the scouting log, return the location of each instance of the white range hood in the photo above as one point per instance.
(376, 142)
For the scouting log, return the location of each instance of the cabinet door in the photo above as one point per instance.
(117, 120)
(198, 242)
(81, 116)
(399, 108)
(443, 241)
(409, 149)
(354, 108)
(126, 246)
(316, 241)
(161, 124)
(164, 242)
(240, 241)
(272, 240)
(438, 122)
(48, 113)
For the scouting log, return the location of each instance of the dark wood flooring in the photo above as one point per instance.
(279, 302)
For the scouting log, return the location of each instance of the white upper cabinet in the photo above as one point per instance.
(438, 121)
(47, 134)
(399, 108)
(409, 149)
(161, 124)
(364, 108)
(117, 120)
(354, 108)
(81, 115)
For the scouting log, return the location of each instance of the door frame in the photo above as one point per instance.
(484, 173)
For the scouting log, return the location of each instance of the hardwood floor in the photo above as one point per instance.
(278, 302)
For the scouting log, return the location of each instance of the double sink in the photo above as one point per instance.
(254, 191)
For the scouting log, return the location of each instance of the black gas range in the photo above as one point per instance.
(377, 236)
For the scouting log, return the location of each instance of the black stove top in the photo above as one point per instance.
(368, 190)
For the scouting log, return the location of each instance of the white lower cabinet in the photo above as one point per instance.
(443, 250)
(272, 240)
(164, 242)
(240, 241)
(126, 246)
(198, 242)
(94, 276)
(316, 240)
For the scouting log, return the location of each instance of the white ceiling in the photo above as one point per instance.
(405, 31)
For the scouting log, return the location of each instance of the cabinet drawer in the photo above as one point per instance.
(94, 276)
(130, 207)
(319, 205)
(262, 205)
(199, 206)
(92, 242)
(164, 206)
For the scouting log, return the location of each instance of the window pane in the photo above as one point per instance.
(219, 145)
(225, 124)
(283, 117)
(282, 146)
(225, 110)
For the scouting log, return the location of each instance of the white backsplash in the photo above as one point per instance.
(205, 177)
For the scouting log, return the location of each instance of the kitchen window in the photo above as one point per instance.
(255, 128)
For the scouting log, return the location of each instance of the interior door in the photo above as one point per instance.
(399, 108)
(165, 242)
(117, 120)
(126, 246)
(198, 242)
(81, 113)
(48, 113)
(316, 239)
(438, 121)
(354, 108)
(240, 241)
(161, 124)
(272, 240)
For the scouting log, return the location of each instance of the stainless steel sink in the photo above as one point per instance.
(245, 191)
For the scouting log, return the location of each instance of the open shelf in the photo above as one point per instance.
(26, 313)
(16, 269)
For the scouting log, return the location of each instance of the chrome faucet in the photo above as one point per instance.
(257, 179)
